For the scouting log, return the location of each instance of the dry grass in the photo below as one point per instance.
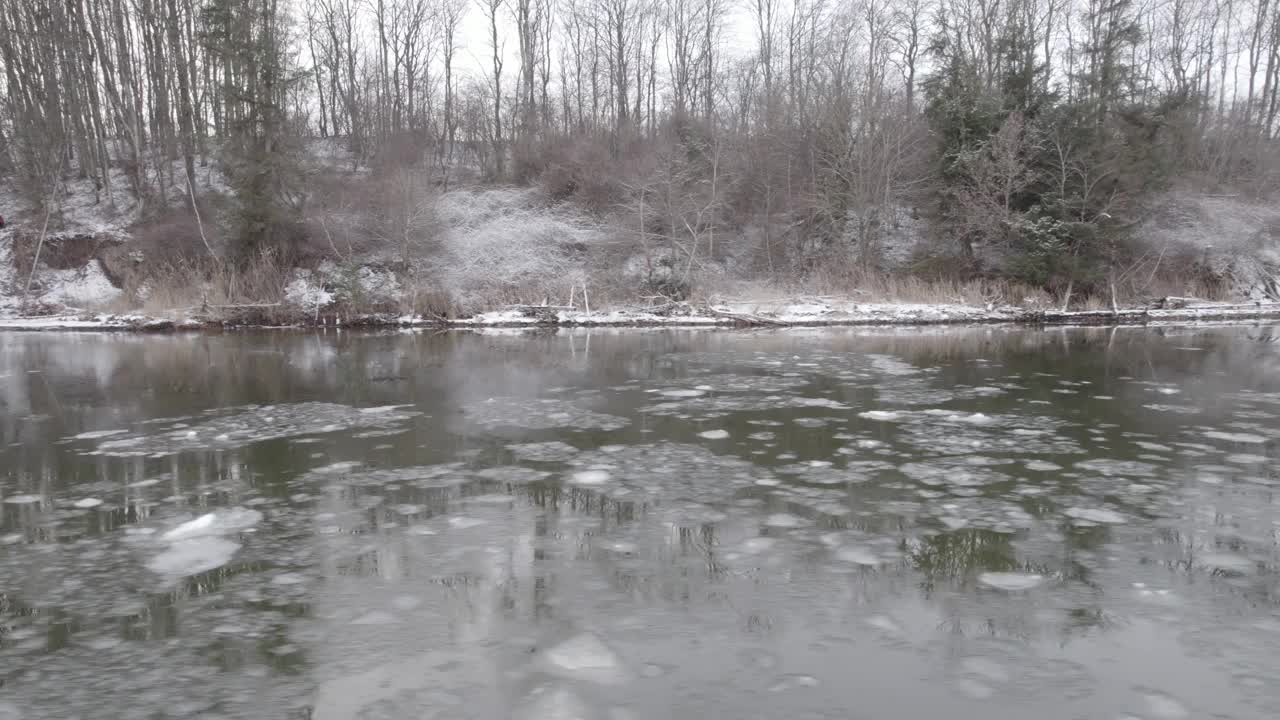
(216, 291)
(874, 288)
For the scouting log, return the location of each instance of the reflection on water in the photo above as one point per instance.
(870, 523)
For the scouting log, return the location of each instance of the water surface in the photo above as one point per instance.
(973, 523)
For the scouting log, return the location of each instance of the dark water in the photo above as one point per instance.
(962, 523)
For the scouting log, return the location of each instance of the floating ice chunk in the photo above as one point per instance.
(87, 503)
(685, 393)
(984, 668)
(554, 451)
(976, 418)
(973, 688)
(884, 624)
(1095, 515)
(288, 578)
(335, 468)
(375, 617)
(23, 499)
(194, 556)
(714, 434)
(757, 545)
(1244, 438)
(1111, 468)
(463, 523)
(785, 520)
(1164, 707)
(382, 409)
(97, 434)
(191, 528)
(553, 703)
(790, 682)
(215, 523)
(857, 555)
(406, 602)
(585, 657)
(1227, 562)
(806, 402)
(1010, 581)
(590, 477)
(881, 415)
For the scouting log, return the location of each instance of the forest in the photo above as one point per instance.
(817, 143)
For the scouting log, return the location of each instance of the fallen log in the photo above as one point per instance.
(748, 319)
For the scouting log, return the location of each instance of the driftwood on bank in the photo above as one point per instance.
(746, 319)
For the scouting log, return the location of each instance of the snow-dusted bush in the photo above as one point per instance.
(508, 244)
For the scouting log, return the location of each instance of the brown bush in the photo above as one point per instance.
(59, 252)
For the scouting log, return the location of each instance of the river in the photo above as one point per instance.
(982, 523)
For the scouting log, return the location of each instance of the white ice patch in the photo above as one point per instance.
(194, 556)
(1010, 581)
(682, 393)
(23, 499)
(985, 669)
(807, 402)
(756, 545)
(97, 434)
(1095, 515)
(961, 417)
(1227, 562)
(553, 703)
(375, 617)
(87, 503)
(1042, 466)
(553, 451)
(214, 523)
(590, 477)
(1244, 438)
(857, 555)
(785, 520)
(465, 523)
(585, 657)
(881, 415)
(714, 435)
(1165, 707)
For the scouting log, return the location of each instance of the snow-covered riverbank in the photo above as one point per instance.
(722, 315)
